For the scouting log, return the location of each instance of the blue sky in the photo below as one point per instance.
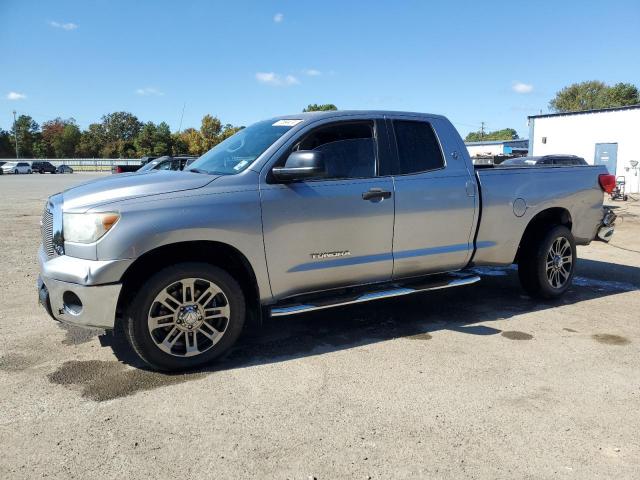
(495, 62)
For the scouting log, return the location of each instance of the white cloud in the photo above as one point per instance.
(65, 26)
(278, 17)
(275, 80)
(146, 91)
(520, 87)
(312, 72)
(16, 96)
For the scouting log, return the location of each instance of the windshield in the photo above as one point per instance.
(238, 151)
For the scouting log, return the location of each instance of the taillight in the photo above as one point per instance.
(119, 169)
(607, 182)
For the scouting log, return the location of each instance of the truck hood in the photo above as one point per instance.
(133, 185)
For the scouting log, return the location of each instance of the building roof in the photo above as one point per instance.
(581, 112)
(495, 142)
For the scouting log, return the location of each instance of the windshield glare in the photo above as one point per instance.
(237, 152)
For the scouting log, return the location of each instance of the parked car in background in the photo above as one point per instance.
(546, 160)
(64, 169)
(168, 163)
(126, 168)
(42, 167)
(16, 167)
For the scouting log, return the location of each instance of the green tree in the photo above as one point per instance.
(7, 147)
(91, 142)
(144, 141)
(162, 140)
(40, 149)
(622, 94)
(120, 130)
(28, 132)
(504, 134)
(592, 95)
(60, 137)
(314, 107)
(210, 131)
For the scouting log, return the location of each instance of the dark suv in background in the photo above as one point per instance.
(42, 167)
(546, 160)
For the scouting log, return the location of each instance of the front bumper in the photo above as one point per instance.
(80, 292)
(79, 304)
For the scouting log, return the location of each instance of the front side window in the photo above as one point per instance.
(418, 147)
(348, 149)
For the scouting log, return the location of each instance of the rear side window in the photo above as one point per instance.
(418, 147)
(348, 148)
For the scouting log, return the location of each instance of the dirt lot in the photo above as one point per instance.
(478, 382)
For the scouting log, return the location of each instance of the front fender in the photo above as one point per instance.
(232, 218)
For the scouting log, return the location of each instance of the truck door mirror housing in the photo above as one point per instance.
(301, 165)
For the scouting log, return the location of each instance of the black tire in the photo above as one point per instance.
(532, 263)
(135, 320)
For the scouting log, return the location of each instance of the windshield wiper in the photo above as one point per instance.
(197, 170)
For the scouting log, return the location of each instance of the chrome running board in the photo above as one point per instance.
(395, 291)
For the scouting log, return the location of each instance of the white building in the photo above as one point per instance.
(492, 148)
(609, 137)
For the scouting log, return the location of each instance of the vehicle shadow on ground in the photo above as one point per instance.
(497, 297)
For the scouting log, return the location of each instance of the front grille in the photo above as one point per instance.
(47, 231)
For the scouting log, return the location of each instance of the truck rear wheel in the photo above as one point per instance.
(547, 262)
(185, 316)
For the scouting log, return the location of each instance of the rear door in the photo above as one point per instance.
(336, 230)
(435, 198)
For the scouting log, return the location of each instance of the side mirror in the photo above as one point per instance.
(300, 165)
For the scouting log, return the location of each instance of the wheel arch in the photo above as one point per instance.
(541, 223)
(219, 254)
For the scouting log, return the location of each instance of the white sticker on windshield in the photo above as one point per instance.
(286, 123)
(240, 165)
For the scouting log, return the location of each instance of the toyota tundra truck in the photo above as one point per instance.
(301, 213)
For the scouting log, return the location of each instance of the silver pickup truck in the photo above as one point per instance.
(301, 213)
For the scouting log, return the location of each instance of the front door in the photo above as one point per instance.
(330, 232)
(607, 155)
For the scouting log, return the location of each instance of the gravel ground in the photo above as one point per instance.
(476, 382)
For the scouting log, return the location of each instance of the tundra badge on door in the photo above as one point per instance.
(320, 256)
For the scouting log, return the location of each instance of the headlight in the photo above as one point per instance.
(87, 227)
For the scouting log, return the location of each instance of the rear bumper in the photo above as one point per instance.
(607, 226)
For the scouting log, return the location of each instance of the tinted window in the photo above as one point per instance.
(348, 148)
(418, 147)
(564, 161)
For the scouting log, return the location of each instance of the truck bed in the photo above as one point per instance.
(512, 196)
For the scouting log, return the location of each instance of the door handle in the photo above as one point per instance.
(376, 194)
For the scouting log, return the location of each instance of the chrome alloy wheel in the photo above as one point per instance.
(188, 317)
(559, 262)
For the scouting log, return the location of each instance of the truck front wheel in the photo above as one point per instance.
(185, 316)
(547, 262)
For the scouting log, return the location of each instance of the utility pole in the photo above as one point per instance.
(181, 116)
(481, 131)
(15, 134)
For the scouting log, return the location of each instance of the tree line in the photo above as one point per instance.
(590, 95)
(117, 135)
